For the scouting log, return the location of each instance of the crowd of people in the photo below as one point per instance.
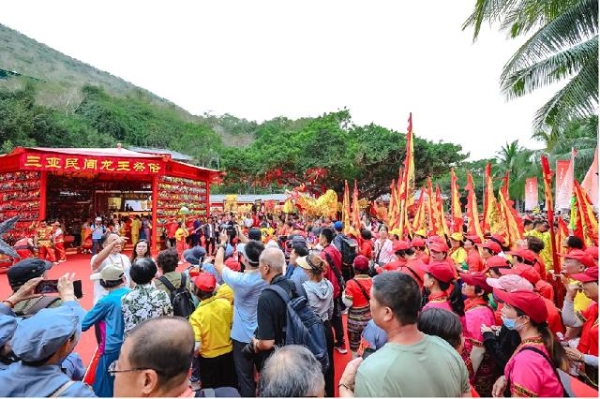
(260, 307)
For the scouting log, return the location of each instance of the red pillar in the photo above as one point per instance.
(154, 214)
(207, 198)
(43, 191)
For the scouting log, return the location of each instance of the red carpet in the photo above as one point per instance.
(80, 265)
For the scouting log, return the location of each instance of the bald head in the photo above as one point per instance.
(292, 371)
(274, 258)
(165, 344)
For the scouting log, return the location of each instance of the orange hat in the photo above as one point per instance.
(400, 245)
(492, 246)
(205, 282)
(438, 246)
(582, 257)
(526, 271)
(524, 253)
(440, 270)
(418, 242)
(476, 279)
(590, 275)
(528, 302)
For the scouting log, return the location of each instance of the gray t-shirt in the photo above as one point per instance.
(429, 368)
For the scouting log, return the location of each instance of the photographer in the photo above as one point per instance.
(41, 342)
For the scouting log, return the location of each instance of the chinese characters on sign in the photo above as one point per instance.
(90, 164)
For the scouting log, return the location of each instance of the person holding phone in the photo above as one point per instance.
(21, 273)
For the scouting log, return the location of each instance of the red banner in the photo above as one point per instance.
(85, 164)
(562, 198)
(531, 193)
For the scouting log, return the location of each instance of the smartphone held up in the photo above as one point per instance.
(51, 287)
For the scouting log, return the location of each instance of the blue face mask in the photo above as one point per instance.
(509, 323)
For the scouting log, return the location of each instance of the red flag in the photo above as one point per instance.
(586, 221)
(431, 220)
(355, 208)
(457, 218)
(550, 209)
(512, 220)
(489, 202)
(442, 228)
(392, 207)
(561, 235)
(590, 182)
(473, 226)
(419, 222)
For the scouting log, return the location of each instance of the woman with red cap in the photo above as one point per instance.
(531, 370)
(439, 283)
(477, 313)
(586, 353)
(399, 261)
(474, 261)
(420, 248)
(490, 248)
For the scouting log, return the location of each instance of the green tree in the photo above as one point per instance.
(563, 46)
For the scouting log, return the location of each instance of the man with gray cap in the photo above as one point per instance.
(41, 343)
(21, 273)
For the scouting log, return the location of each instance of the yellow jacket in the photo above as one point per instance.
(546, 253)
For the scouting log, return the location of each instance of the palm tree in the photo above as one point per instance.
(564, 47)
(521, 163)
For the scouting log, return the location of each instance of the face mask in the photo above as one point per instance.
(511, 324)
(508, 323)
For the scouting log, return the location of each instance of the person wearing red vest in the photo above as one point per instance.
(43, 240)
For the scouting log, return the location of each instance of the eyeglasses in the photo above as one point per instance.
(112, 369)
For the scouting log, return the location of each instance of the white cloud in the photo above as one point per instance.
(262, 59)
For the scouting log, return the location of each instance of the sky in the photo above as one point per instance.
(263, 59)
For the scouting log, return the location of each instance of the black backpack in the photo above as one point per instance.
(303, 326)
(181, 298)
(349, 250)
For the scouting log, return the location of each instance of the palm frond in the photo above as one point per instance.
(576, 25)
(553, 69)
(486, 10)
(532, 14)
(578, 99)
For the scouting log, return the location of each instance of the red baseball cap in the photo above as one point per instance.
(524, 253)
(474, 239)
(530, 303)
(492, 246)
(438, 246)
(400, 245)
(440, 270)
(526, 271)
(418, 242)
(361, 263)
(499, 238)
(205, 282)
(590, 275)
(497, 261)
(476, 279)
(582, 257)
(592, 251)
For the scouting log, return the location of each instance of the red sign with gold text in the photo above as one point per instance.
(62, 163)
